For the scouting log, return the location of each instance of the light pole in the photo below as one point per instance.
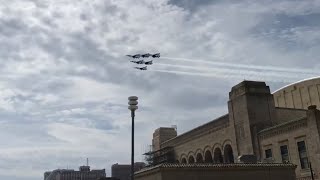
(132, 106)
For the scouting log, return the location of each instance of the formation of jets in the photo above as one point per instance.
(137, 56)
(143, 62)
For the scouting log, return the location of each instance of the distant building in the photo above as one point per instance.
(122, 171)
(84, 173)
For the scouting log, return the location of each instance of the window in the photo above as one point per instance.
(284, 153)
(268, 153)
(303, 154)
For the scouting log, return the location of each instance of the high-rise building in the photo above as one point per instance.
(122, 171)
(84, 173)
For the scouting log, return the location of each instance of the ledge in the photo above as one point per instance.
(212, 166)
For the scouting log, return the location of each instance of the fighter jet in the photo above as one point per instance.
(138, 62)
(148, 63)
(141, 68)
(146, 55)
(135, 56)
(156, 55)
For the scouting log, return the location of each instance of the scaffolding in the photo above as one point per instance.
(163, 155)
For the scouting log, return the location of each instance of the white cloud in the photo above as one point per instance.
(65, 79)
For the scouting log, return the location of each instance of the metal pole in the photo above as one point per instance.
(132, 146)
(311, 171)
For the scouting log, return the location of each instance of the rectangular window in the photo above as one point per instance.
(268, 153)
(303, 154)
(284, 153)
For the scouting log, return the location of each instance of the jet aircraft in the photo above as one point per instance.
(138, 62)
(146, 55)
(141, 68)
(135, 56)
(156, 55)
(148, 63)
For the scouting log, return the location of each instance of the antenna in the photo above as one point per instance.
(87, 161)
(175, 127)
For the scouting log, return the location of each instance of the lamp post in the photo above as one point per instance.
(132, 106)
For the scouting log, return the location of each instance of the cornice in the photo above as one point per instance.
(283, 128)
(196, 133)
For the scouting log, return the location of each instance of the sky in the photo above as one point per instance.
(65, 79)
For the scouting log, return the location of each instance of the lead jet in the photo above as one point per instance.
(141, 68)
(146, 55)
(136, 56)
(138, 62)
(156, 55)
(148, 63)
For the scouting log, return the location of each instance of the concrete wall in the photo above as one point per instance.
(215, 134)
(251, 108)
(288, 114)
(289, 133)
(161, 135)
(299, 95)
(207, 142)
(225, 172)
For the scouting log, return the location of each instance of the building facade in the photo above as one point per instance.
(299, 95)
(277, 132)
(218, 171)
(123, 171)
(84, 173)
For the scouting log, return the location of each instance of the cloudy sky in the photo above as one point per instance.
(65, 78)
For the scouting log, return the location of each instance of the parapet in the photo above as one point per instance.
(249, 87)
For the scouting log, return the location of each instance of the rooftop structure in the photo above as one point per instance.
(84, 173)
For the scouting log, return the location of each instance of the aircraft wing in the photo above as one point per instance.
(156, 55)
(140, 62)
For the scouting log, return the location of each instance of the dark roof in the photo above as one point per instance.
(217, 166)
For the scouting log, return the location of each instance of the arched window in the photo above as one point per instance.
(191, 160)
(228, 154)
(199, 158)
(184, 161)
(208, 157)
(217, 156)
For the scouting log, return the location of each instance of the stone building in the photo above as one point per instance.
(277, 128)
(299, 95)
(84, 173)
(123, 171)
(218, 171)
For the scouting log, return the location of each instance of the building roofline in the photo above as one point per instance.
(196, 128)
(307, 79)
(216, 166)
(293, 109)
(280, 125)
